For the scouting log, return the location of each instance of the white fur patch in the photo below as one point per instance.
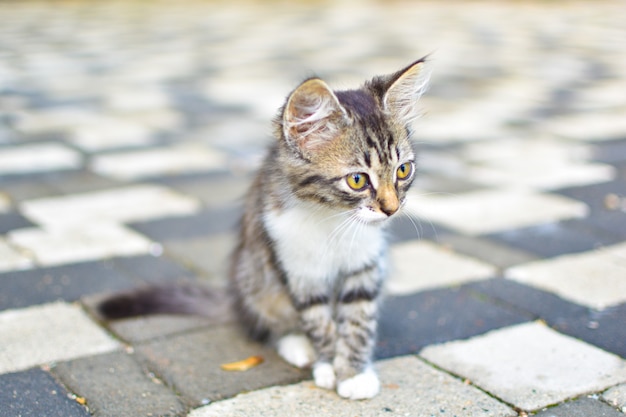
(324, 375)
(359, 387)
(296, 349)
(313, 244)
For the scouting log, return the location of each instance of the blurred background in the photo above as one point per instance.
(119, 74)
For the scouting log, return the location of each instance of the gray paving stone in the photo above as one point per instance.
(599, 328)
(34, 393)
(554, 239)
(11, 221)
(409, 388)
(203, 224)
(116, 385)
(191, 364)
(584, 407)
(409, 323)
(487, 250)
(616, 396)
(209, 256)
(69, 282)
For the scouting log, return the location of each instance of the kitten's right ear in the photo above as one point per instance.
(312, 116)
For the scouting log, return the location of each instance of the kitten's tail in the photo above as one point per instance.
(187, 299)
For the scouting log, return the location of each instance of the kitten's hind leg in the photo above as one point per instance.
(296, 349)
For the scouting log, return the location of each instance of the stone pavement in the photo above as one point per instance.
(129, 132)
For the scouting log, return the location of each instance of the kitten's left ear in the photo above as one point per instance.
(404, 88)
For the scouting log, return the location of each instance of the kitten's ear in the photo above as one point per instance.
(404, 88)
(312, 116)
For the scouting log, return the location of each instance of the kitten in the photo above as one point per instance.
(307, 273)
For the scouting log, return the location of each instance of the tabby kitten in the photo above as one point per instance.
(307, 272)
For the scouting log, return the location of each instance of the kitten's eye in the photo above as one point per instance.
(404, 170)
(358, 181)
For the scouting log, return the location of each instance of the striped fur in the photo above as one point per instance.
(311, 257)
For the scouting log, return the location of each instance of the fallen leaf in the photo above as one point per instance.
(80, 400)
(242, 365)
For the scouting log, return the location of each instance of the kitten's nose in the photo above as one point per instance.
(388, 200)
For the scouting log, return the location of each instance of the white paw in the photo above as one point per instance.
(296, 349)
(324, 375)
(359, 387)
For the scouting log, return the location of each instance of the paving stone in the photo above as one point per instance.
(599, 328)
(5, 203)
(409, 323)
(529, 365)
(71, 282)
(38, 158)
(132, 203)
(110, 133)
(115, 384)
(213, 190)
(616, 396)
(535, 164)
(80, 243)
(49, 333)
(34, 393)
(210, 256)
(594, 279)
(486, 250)
(595, 196)
(583, 407)
(191, 364)
(140, 164)
(78, 182)
(11, 221)
(203, 224)
(54, 119)
(553, 239)
(12, 259)
(17, 188)
(598, 126)
(490, 211)
(409, 388)
(610, 152)
(422, 265)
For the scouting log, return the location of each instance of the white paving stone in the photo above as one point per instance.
(64, 244)
(110, 133)
(55, 119)
(158, 162)
(529, 365)
(417, 266)
(48, 333)
(487, 211)
(127, 204)
(596, 279)
(543, 164)
(409, 388)
(38, 158)
(590, 126)
(12, 259)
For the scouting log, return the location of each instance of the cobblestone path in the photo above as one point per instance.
(129, 132)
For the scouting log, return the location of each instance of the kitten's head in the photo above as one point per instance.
(351, 150)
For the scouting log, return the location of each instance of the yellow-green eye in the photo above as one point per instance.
(404, 170)
(357, 181)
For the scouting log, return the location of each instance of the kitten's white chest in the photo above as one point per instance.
(314, 243)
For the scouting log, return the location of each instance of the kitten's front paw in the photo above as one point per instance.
(324, 375)
(296, 349)
(359, 387)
